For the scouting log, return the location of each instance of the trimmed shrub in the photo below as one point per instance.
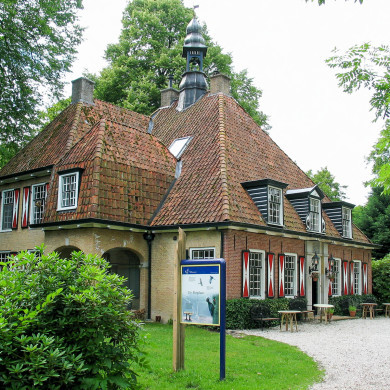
(65, 324)
(342, 303)
(381, 278)
(238, 311)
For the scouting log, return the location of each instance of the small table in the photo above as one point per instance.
(322, 309)
(368, 306)
(387, 309)
(289, 316)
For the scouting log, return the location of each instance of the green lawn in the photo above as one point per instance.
(251, 362)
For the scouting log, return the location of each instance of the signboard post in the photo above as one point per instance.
(203, 297)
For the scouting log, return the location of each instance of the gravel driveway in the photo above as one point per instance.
(354, 353)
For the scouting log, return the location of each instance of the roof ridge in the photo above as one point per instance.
(222, 157)
(74, 128)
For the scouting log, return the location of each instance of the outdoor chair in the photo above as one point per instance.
(262, 314)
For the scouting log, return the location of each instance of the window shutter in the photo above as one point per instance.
(330, 288)
(365, 278)
(281, 275)
(15, 209)
(345, 278)
(270, 275)
(25, 206)
(302, 286)
(245, 274)
(351, 277)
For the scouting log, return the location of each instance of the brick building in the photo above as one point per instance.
(105, 180)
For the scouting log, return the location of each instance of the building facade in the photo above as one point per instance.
(105, 180)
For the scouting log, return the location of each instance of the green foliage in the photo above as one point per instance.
(343, 302)
(38, 41)
(381, 278)
(65, 324)
(150, 49)
(320, 2)
(373, 220)
(326, 181)
(238, 311)
(369, 67)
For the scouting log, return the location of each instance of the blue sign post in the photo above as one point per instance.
(203, 298)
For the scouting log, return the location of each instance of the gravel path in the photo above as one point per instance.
(354, 353)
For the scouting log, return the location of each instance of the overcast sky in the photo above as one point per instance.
(283, 44)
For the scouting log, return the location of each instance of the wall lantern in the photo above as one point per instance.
(314, 263)
(330, 272)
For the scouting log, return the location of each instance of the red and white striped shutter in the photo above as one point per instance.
(345, 277)
(302, 286)
(281, 275)
(351, 277)
(270, 275)
(245, 274)
(365, 278)
(25, 206)
(15, 209)
(330, 288)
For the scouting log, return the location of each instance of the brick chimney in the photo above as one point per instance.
(220, 83)
(169, 95)
(82, 91)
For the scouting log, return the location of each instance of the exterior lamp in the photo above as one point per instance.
(314, 263)
(330, 272)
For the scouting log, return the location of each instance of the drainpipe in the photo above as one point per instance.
(149, 236)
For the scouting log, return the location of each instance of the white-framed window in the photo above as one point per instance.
(36, 252)
(357, 277)
(336, 284)
(7, 208)
(347, 222)
(314, 221)
(4, 256)
(275, 205)
(256, 274)
(68, 187)
(202, 253)
(290, 275)
(38, 199)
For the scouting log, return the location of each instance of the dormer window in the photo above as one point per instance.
(267, 194)
(307, 203)
(347, 222)
(68, 187)
(313, 222)
(179, 145)
(275, 205)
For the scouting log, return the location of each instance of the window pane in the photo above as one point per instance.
(8, 206)
(289, 275)
(38, 202)
(314, 216)
(336, 282)
(69, 191)
(347, 223)
(274, 205)
(356, 277)
(256, 260)
(200, 254)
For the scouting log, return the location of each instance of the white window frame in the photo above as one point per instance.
(2, 209)
(347, 222)
(33, 207)
(315, 226)
(279, 220)
(294, 275)
(192, 250)
(357, 278)
(261, 274)
(60, 199)
(336, 284)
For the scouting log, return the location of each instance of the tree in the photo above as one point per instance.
(369, 67)
(38, 40)
(149, 50)
(374, 220)
(320, 2)
(326, 181)
(64, 324)
(381, 278)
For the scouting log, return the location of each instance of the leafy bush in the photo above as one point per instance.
(238, 311)
(342, 303)
(381, 278)
(64, 324)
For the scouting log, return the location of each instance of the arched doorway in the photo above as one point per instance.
(65, 251)
(126, 263)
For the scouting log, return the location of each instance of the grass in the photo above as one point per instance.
(251, 362)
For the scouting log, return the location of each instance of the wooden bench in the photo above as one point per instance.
(262, 314)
